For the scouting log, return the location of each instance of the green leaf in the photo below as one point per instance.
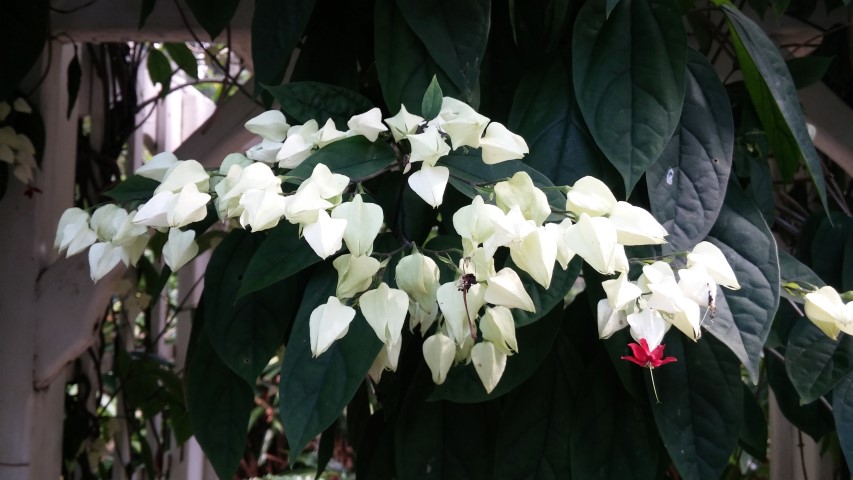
(213, 15)
(537, 27)
(325, 449)
(816, 363)
(159, 70)
(145, 10)
(535, 425)
(629, 79)
(812, 418)
(183, 57)
(463, 385)
(611, 4)
(455, 34)
(24, 27)
(687, 185)
(74, 74)
(700, 414)
(545, 114)
(431, 104)
(842, 411)
(806, 71)
(794, 271)
(545, 299)
(132, 188)
(356, 157)
(750, 248)
(753, 432)
(314, 391)
(282, 254)
(276, 30)
(245, 332)
(219, 404)
(303, 101)
(403, 64)
(775, 97)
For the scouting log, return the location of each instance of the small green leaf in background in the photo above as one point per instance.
(356, 157)
(812, 418)
(816, 363)
(794, 271)
(281, 255)
(74, 75)
(628, 74)
(842, 411)
(431, 104)
(213, 15)
(183, 57)
(159, 70)
(806, 71)
(135, 187)
(775, 98)
(277, 27)
(303, 101)
(753, 433)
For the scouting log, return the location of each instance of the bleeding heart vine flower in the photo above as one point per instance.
(651, 359)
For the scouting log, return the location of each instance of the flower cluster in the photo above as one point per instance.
(16, 149)
(828, 311)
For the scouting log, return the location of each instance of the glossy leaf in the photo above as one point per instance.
(812, 418)
(213, 15)
(132, 188)
(700, 414)
(816, 363)
(688, 183)
(629, 79)
(775, 98)
(806, 71)
(314, 391)
(219, 404)
(276, 29)
(750, 248)
(303, 101)
(431, 104)
(355, 157)
(842, 411)
(281, 255)
(245, 332)
(454, 33)
(159, 70)
(545, 114)
(794, 271)
(183, 57)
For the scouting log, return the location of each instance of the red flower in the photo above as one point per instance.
(645, 358)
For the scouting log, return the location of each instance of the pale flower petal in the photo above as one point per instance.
(262, 209)
(271, 125)
(711, 257)
(328, 323)
(825, 309)
(520, 192)
(439, 353)
(636, 226)
(429, 183)
(536, 255)
(591, 196)
(427, 146)
(183, 173)
(462, 123)
(452, 305)
(498, 327)
(364, 220)
(385, 310)
(180, 248)
(188, 206)
(328, 134)
(355, 274)
(609, 321)
(403, 124)
(418, 275)
(594, 240)
(325, 236)
(499, 145)
(103, 257)
(490, 363)
(620, 292)
(506, 289)
(369, 124)
(157, 167)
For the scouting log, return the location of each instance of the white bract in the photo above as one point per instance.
(520, 192)
(298, 145)
(385, 310)
(271, 125)
(536, 254)
(452, 304)
(325, 236)
(475, 223)
(328, 322)
(498, 327)
(648, 324)
(500, 145)
(827, 311)
(462, 123)
(636, 226)
(157, 167)
(328, 134)
(594, 240)
(711, 257)
(490, 363)
(180, 248)
(505, 288)
(591, 196)
(439, 353)
(369, 124)
(429, 183)
(364, 220)
(262, 209)
(355, 273)
(403, 124)
(73, 232)
(427, 146)
(183, 173)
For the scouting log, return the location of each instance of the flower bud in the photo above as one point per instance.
(498, 327)
(520, 192)
(506, 289)
(385, 310)
(180, 248)
(354, 274)
(418, 276)
(439, 353)
(489, 362)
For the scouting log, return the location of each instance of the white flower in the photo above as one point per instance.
(697, 284)
(418, 276)
(265, 151)
(677, 309)
(428, 146)
(519, 191)
(462, 123)
(500, 145)
(512, 227)
(240, 179)
(180, 248)
(182, 174)
(711, 257)
(429, 183)
(103, 257)
(298, 145)
(329, 185)
(235, 159)
(452, 305)
(73, 232)
(355, 274)
(475, 223)
(157, 167)
(328, 134)
(827, 311)
(385, 310)
(303, 206)
(505, 288)
(386, 359)
(167, 209)
(368, 124)
(648, 324)
(636, 226)
(536, 254)
(271, 125)
(439, 353)
(403, 124)
(106, 220)
(498, 327)
(482, 263)
(489, 362)
(364, 220)
(21, 105)
(594, 240)
(620, 292)
(328, 322)
(262, 209)
(609, 321)
(325, 235)
(591, 196)
(564, 253)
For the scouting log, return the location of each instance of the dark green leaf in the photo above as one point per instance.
(281, 255)
(687, 184)
(245, 332)
(794, 271)
(750, 249)
(455, 33)
(213, 15)
(824, 252)
(842, 410)
(629, 79)
(431, 104)
(277, 27)
(545, 299)
(812, 418)
(219, 404)
(537, 27)
(760, 188)
(159, 70)
(534, 341)
(700, 414)
(356, 157)
(544, 112)
(74, 74)
(144, 11)
(314, 391)
(753, 432)
(135, 187)
(816, 363)
(403, 64)
(183, 57)
(806, 71)
(303, 101)
(535, 425)
(775, 98)
(23, 31)
(325, 450)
